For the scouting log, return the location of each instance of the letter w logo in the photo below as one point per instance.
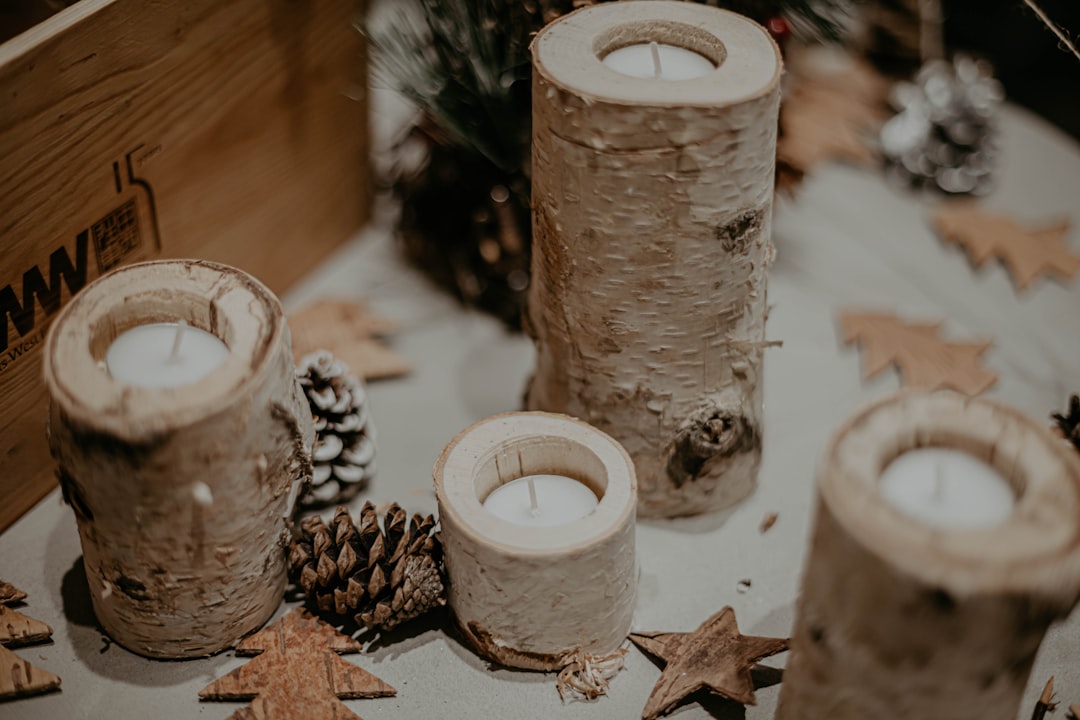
(33, 285)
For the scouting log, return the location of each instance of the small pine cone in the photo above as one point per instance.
(344, 454)
(382, 577)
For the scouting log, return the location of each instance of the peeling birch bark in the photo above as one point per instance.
(897, 619)
(652, 204)
(537, 597)
(183, 496)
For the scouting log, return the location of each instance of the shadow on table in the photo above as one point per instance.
(389, 645)
(99, 654)
(721, 708)
(692, 524)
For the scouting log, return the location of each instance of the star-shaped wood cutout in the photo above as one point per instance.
(1026, 254)
(923, 358)
(297, 673)
(715, 656)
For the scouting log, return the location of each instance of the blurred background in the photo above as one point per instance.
(1036, 72)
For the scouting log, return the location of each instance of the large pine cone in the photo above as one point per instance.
(381, 577)
(344, 454)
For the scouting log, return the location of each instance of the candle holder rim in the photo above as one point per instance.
(536, 541)
(964, 561)
(691, 92)
(187, 404)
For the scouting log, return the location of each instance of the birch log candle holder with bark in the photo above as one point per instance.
(533, 597)
(901, 618)
(652, 204)
(182, 495)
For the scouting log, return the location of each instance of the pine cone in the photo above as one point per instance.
(1068, 424)
(382, 577)
(344, 454)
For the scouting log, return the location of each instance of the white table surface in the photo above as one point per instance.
(847, 241)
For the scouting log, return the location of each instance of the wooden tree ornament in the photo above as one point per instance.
(19, 678)
(828, 116)
(716, 657)
(297, 673)
(1026, 254)
(899, 619)
(182, 495)
(652, 206)
(17, 629)
(352, 333)
(923, 358)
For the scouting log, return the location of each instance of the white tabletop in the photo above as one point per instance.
(847, 241)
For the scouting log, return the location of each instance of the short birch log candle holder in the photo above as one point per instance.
(531, 596)
(182, 485)
(933, 607)
(652, 204)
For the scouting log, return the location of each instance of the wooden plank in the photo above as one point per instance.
(221, 129)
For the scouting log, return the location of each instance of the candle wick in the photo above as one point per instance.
(655, 50)
(176, 340)
(534, 506)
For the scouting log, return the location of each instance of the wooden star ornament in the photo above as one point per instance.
(1026, 254)
(923, 358)
(297, 673)
(716, 656)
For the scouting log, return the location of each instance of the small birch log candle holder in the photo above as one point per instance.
(904, 615)
(533, 596)
(652, 205)
(183, 495)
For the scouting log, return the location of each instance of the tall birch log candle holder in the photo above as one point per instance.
(182, 486)
(533, 596)
(931, 605)
(652, 204)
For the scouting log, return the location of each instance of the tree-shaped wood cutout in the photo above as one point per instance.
(1026, 254)
(828, 116)
(352, 333)
(922, 357)
(297, 673)
(19, 678)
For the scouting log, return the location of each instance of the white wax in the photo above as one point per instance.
(143, 355)
(947, 489)
(676, 63)
(559, 500)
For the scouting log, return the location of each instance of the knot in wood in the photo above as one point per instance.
(737, 235)
(708, 434)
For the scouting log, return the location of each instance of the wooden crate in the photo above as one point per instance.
(231, 130)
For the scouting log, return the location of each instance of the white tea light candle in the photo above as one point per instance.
(659, 61)
(160, 355)
(541, 501)
(947, 488)
(531, 595)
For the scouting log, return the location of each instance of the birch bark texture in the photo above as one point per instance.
(652, 204)
(533, 597)
(183, 496)
(901, 620)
